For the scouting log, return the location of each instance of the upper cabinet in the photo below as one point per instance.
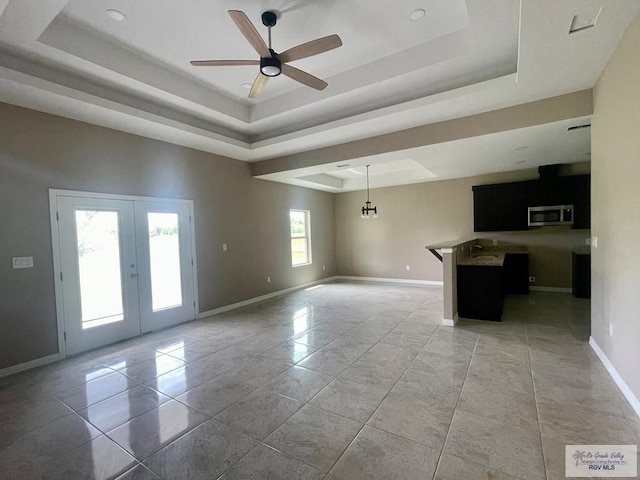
(499, 207)
(503, 207)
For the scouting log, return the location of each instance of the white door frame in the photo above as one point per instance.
(57, 261)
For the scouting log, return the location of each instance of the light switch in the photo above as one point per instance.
(224, 247)
(22, 262)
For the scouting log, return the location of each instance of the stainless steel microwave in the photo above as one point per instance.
(552, 215)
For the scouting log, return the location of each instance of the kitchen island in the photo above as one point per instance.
(477, 274)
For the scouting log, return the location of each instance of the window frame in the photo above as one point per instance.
(306, 236)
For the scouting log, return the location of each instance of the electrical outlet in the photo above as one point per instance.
(495, 242)
(532, 279)
(22, 262)
(408, 267)
(610, 329)
(268, 278)
(224, 247)
(594, 242)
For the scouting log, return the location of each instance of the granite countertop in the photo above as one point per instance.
(486, 259)
(449, 243)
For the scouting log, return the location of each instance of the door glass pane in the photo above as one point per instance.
(164, 257)
(98, 238)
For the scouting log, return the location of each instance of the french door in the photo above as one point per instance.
(124, 266)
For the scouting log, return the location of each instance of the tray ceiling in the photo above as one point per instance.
(68, 57)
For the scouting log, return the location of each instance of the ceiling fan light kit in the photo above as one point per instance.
(271, 63)
(271, 66)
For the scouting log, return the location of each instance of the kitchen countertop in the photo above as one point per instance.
(485, 259)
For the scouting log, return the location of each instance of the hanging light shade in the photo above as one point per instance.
(369, 211)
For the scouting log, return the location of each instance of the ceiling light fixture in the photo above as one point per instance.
(417, 14)
(367, 209)
(271, 66)
(116, 15)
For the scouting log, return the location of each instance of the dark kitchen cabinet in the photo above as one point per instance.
(501, 207)
(516, 273)
(504, 206)
(550, 191)
(581, 272)
(480, 292)
(581, 187)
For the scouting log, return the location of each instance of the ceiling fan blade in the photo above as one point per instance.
(223, 63)
(250, 33)
(314, 47)
(258, 85)
(303, 77)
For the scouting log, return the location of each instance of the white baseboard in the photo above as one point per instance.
(407, 281)
(21, 367)
(244, 303)
(551, 289)
(622, 385)
(448, 322)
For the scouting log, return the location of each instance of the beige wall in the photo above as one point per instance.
(412, 216)
(615, 199)
(39, 151)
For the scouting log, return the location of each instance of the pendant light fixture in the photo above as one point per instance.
(367, 209)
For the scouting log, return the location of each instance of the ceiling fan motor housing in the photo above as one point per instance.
(269, 19)
(271, 66)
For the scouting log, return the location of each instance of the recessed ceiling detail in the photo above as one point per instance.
(463, 58)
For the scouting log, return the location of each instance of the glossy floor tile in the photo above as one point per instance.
(345, 381)
(314, 436)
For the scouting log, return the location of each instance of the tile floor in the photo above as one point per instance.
(345, 381)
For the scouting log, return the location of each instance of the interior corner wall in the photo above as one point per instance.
(615, 200)
(40, 151)
(413, 216)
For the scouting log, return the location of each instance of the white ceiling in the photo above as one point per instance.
(464, 57)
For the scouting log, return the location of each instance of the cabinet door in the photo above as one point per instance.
(552, 191)
(486, 207)
(480, 292)
(581, 201)
(516, 273)
(500, 207)
(513, 207)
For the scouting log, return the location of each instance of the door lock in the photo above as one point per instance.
(134, 275)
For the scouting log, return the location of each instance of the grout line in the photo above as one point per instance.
(446, 438)
(376, 409)
(535, 399)
(261, 441)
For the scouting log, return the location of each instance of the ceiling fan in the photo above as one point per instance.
(271, 63)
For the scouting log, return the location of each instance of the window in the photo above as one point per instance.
(300, 238)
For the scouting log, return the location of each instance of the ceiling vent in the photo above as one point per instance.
(578, 127)
(584, 21)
